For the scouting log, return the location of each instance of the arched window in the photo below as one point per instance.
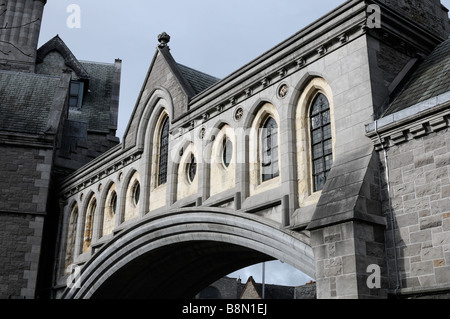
(132, 195)
(89, 224)
(269, 147)
(163, 152)
(321, 140)
(71, 236)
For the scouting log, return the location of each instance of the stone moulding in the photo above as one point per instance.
(412, 127)
(102, 174)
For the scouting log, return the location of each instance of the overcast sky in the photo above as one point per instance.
(213, 36)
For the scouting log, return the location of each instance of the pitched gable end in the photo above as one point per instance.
(57, 44)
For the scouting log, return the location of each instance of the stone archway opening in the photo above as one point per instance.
(178, 271)
(175, 254)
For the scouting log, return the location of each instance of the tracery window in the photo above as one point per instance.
(163, 152)
(321, 140)
(269, 161)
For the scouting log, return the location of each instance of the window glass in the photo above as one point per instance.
(269, 161)
(163, 152)
(227, 151)
(192, 169)
(76, 94)
(321, 141)
(137, 193)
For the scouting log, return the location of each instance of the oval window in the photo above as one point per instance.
(227, 152)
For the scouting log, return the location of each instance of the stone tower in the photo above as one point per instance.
(20, 23)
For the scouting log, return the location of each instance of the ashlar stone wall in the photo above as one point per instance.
(420, 192)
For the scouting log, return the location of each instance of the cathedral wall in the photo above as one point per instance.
(419, 173)
(24, 186)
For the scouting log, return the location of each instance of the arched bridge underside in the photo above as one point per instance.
(176, 254)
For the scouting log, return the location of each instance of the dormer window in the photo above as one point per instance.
(76, 94)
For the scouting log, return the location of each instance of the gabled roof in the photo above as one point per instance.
(100, 93)
(431, 79)
(98, 100)
(57, 44)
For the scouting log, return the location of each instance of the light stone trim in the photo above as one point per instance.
(255, 152)
(303, 134)
(222, 178)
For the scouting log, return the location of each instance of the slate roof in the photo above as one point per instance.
(25, 101)
(270, 291)
(57, 44)
(431, 79)
(96, 103)
(198, 80)
(95, 110)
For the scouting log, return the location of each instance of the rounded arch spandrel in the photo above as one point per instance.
(194, 225)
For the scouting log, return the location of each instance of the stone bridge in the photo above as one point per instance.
(176, 254)
(271, 162)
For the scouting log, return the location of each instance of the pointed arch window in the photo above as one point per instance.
(321, 141)
(71, 236)
(89, 225)
(269, 162)
(163, 152)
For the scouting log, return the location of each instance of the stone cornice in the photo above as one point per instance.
(97, 172)
(410, 127)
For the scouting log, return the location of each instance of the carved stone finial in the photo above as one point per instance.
(163, 39)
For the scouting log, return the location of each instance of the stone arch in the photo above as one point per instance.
(218, 171)
(70, 232)
(252, 111)
(153, 188)
(86, 232)
(131, 204)
(309, 91)
(184, 186)
(262, 112)
(160, 99)
(199, 235)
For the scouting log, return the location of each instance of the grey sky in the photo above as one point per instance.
(213, 36)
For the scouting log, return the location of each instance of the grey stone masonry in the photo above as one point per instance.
(20, 240)
(420, 194)
(18, 43)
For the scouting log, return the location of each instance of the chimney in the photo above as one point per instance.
(20, 24)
